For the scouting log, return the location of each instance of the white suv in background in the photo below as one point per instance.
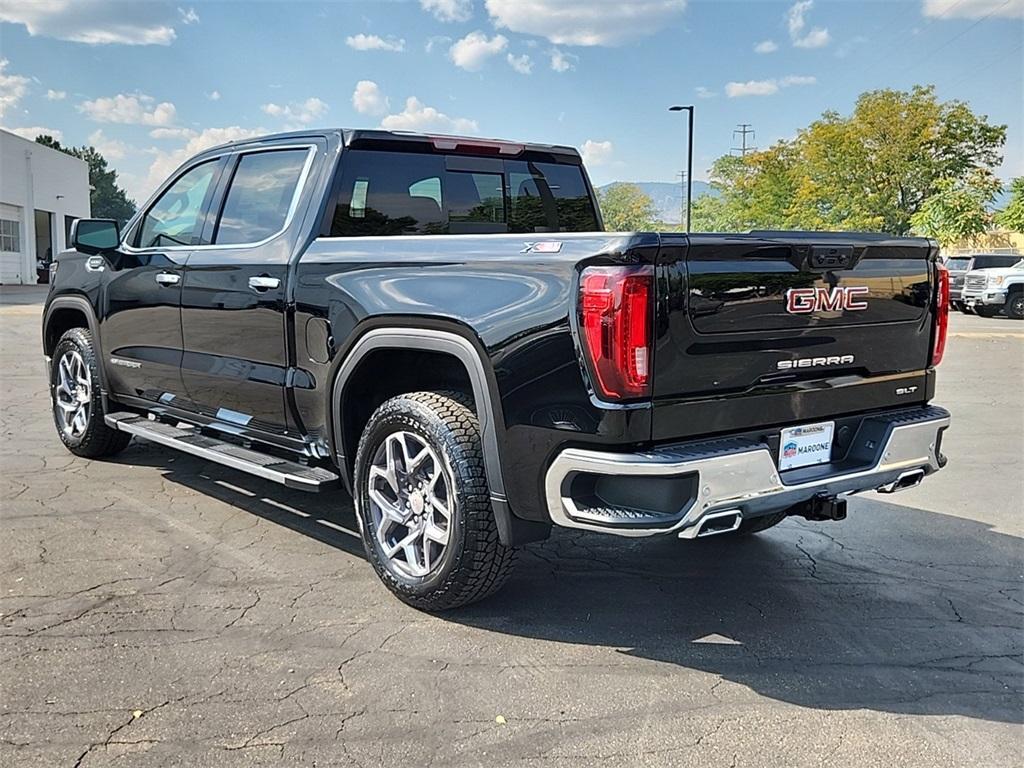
(986, 291)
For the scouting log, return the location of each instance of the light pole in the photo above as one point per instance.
(689, 158)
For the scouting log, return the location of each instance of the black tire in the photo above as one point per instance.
(96, 439)
(1015, 305)
(983, 311)
(761, 523)
(473, 564)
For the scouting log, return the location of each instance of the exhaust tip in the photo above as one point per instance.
(714, 524)
(906, 480)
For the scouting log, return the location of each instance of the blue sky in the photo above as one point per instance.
(150, 83)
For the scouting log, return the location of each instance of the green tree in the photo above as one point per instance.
(1012, 217)
(957, 210)
(625, 208)
(107, 199)
(872, 170)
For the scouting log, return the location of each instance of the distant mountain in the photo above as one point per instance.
(667, 197)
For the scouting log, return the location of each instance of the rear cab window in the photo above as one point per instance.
(383, 192)
(261, 195)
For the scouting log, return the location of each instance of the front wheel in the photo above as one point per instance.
(1015, 305)
(985, 311)
(75, 395)
(423, 503)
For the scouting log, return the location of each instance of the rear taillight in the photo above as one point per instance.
(615, 323)
(941, 313)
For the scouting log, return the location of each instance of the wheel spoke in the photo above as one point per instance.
(78, 423)
(433, 532)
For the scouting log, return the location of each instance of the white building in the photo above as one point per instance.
(41, 192)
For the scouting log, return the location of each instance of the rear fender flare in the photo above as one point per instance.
(444, 342)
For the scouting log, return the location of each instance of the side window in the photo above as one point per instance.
(549, 197)
(389, 193)
(260, 196)
(174, 218)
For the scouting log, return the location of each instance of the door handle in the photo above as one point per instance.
(264, 283)
(168, 278)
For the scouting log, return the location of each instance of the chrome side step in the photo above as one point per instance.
(189, 440)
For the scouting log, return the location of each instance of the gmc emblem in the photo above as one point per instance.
(804, 301)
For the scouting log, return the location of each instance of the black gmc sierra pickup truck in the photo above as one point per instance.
(440, 325)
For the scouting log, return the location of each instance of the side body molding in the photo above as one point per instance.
(433, 341)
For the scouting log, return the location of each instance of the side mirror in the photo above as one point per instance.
(95, 236)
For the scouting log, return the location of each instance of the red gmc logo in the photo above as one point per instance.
(803, 301)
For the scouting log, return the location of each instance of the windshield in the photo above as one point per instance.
(958, 265)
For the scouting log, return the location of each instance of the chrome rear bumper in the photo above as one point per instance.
(891, 451)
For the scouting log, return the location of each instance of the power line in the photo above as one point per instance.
(744, 130)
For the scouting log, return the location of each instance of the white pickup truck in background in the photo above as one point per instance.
(987, 291)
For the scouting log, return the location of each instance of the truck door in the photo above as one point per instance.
(234, 299)
(141, 312)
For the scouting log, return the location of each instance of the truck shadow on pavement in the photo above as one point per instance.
(895, 610)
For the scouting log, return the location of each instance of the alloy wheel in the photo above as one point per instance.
(411, 500)
(73, 394)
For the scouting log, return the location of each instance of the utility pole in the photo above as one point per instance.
(744, 130)
(682, 196)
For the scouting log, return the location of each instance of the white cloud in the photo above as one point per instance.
(188, 16)
(130, 110)
(705, 93)
(97, 22)
(52, 95)
(766, 87)
(417, 116)
(31, 132)
(766, 46)
(111, 149)
(596, 152)
(585, 22)
(437, 41)
(972, 9)
(449, 10)
(297, 114)
(801, 37)
(751, 88)
(563, 62)
(368, 99)
(363, 42)
(521, 64)
(472, 51)
(12, 88)
(213, 95)
(172, 133)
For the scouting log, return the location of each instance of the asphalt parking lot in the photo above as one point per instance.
(157, 610)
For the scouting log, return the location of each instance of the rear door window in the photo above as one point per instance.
(406, 193)
(260, 196)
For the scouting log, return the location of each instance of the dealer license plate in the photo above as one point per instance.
(806, 445)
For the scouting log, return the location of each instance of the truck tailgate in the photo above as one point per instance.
(774, 328)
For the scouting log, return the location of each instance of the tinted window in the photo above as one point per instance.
(174, 218)
(958, 265)
(392, 193)
(260, 196)
(991, 262)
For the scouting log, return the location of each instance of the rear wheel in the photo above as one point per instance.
(75, 396)
(1015, 305)
(423, 503)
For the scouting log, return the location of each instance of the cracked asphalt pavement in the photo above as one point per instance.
(156, 610)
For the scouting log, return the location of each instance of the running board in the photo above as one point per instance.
(189, 440)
